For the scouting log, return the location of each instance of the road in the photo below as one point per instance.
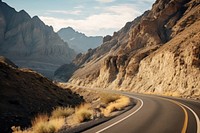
(154, 114)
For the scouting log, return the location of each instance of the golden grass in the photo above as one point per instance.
(82, 113)
(48, 126)
(107, 98)
(62, 112)
(42, 124)
(116, 105)
(18, 130)
(39, 119)
(74, 116)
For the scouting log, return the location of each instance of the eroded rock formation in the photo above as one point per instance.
(156, 53)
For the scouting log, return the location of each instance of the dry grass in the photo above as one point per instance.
(82, 113)
(107, 98)
(42, 124)
(74, 116)
(119, 104)
(18, 130)
(62, 112)
(39, 119)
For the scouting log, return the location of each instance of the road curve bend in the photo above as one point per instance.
(154, 114)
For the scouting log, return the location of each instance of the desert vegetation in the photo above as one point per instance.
(116, 105)
(71, 117)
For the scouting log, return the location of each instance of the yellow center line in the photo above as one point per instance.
(185, 112)
(186, 117)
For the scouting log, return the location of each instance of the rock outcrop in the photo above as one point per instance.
(25, 93)
(156, 53)
(79, 41)
(28, 42)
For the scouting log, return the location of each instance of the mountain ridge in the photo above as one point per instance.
(26, 40)
(149, 54)
(79, 41)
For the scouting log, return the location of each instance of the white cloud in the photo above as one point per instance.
(67, 12)
(113, 17)
(105, 1)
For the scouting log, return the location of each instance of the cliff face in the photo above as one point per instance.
(157, 53)
(25, 93)
(28, 42)
(79, 41)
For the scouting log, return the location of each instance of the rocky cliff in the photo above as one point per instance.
(28, 42)
(79, 41)
(25, 93)
(158, 52)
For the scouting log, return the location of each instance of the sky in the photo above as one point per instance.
(92, 17)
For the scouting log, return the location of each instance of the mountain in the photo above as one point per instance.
(28, 42)
(79, 41)
(25, 93)
(158, 52)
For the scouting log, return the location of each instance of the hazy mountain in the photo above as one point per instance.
(156, 53)
(28, 42)
(25, 93)
(79, 41)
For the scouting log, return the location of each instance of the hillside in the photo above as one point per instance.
(25, 93)
(28, 42)
(158, 52)
(79, 41)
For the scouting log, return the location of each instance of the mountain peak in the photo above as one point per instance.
(79, 41)
(70, 28)
(29, 39)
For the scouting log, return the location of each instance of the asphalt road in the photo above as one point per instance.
(154, 114)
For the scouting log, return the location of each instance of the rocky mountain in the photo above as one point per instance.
(28, 42)
(158, 52)
(25, 93)
(79, 41)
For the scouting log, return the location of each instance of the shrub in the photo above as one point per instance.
(117, 105)
(62, 112)
(42, 124)
(107, 98)
(82, 113)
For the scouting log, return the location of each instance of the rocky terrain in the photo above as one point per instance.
(25, 93)
(79, 41)
(158, 52)
(28, 42)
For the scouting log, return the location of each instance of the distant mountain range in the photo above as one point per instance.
(79, 41)
(28, 42)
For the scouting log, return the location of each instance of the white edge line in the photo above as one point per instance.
(195, 115)
(124, 117)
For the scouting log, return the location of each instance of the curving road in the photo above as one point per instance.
(154, 114)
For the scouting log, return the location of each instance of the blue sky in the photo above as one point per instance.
(92, 17)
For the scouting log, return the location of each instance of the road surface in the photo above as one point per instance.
(154, 114)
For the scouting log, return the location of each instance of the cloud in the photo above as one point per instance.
(105, 1)
(113, 17)
(66, 12)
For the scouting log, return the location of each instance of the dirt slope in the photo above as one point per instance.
(25, 93)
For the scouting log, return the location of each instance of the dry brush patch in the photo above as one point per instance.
(82, 113)
(69, 117)
(116, 105)
(62, 112)
(107, 98)
(59, 117)
(42, 124)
